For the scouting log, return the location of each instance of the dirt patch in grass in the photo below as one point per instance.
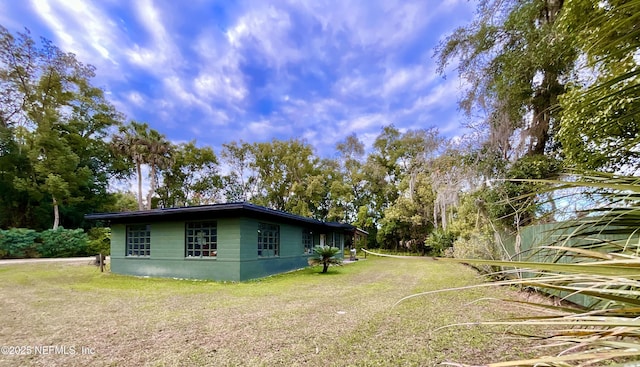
(345, 317)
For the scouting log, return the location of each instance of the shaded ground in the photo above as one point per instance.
(345, 317)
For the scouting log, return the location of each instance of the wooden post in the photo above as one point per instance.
(102, 262)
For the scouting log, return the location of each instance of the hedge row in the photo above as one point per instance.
(22, 242)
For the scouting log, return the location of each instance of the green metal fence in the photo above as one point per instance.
(528, 247)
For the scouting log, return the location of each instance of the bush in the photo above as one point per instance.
(478, 247)
(99, 241)
(325, 256)
(64, 243)
(18, 243)
(438, 241)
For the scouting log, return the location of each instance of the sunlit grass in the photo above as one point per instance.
(344, 317)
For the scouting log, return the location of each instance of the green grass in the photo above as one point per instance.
(343, 318)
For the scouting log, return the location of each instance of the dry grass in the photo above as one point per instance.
(344, 317)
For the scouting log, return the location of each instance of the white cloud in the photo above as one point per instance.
(219, 77)
(401, 79)
(363, 123)
(265, 31)
(355, 85)
(84, 29)
(312, 112)
(382, 24)
(159, 55)
(256, 129)
(292, 68)
(136, 98)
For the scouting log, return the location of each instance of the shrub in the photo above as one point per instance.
(325, 256)
(64, 243)
(438, 241)
(17, 243)
(478, 247)
(99, 241)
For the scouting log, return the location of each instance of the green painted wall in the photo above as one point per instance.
(168, 254)
(291, 251)
(237, 258)
(118, 238)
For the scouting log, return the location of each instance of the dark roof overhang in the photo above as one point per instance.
(215, 211)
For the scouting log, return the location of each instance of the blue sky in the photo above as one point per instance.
(218, 71)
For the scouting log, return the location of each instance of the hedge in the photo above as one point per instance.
(24, 243)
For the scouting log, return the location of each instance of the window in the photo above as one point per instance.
(307, 242)
(268, 240)
(335, 240)
(201, 239)
(139, 240)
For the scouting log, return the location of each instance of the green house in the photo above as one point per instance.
(234, 241)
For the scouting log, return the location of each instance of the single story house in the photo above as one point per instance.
(233, 241)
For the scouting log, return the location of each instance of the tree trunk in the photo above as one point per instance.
(546, 97)
(152, 186)
(412, 184)
(435, 215)
(139, 172)
(541, 120)
(325, 266)
(56, 214)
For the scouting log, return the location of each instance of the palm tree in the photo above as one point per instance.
(130, 142)
(142, 145)
(325, 256)
(158, 157)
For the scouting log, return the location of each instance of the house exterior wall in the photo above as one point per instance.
(168, 259)
(291, 251)
(237, 257)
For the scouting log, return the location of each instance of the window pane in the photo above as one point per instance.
(201, 236)
(268, 239)
(138, 240)
(307, 242)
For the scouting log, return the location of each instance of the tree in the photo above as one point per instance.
(51, 124)
(350, 189)
(599, 127)
(285, 170)
(325, 256)
(327, 193)
(515, 63)
(141, 145)
(381, 173)
(129, 143)
(56, 168)
(241, 181)
(407, 222)
(449, 174)
(598, 130)
(122, 202)
(159, 157)
(192, 179)
(402, 188)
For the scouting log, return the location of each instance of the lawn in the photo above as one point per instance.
(343, 318)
